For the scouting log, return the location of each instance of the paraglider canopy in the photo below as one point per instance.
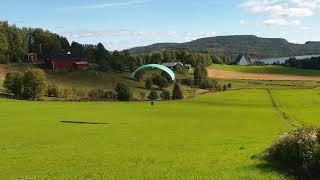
(155, 66)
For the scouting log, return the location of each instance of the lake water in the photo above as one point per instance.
(284, 59)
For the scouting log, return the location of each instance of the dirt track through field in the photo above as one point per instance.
(283, 114)
(221, 74)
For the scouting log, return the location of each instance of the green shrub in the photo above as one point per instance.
(34, 84)
(4, 59)
(31, 85)
(165, 94)
(53, 90)
(230, 86)
(219, 87)
(206, 84)
(188, 81)
(153, 95)
(225, 87)
(66, 93)
(96, 95)
(123, 92)
(210, 84)
(80, 93)
(14, 84)
(182, 70)
(101, 95)
(160, 81)
(110, 95)
(298, 151)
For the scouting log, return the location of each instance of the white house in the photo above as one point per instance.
(242, 61)
(173, 65)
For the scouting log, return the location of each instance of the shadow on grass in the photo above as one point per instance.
(268, 167)
(79, 122)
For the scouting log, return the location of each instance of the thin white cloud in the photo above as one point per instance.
(296, 22)
(276, 22)
(312, 4)
(283, 12)
(128, 33)
(108, 33)
(113, 4)
(305, 28)
(124, 39)
(281, 22)
(242, 22)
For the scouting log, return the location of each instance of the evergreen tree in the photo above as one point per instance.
(100, 53)
(77, 48)
(227, 60)
(177, 93)
(4, 46)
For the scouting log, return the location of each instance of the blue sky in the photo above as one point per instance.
(121, 24)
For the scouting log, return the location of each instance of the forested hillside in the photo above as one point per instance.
(16, 43)
(251, 46)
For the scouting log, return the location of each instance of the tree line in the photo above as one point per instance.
(308, 63)
(16, 43)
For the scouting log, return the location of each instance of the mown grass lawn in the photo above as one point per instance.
(213, 136)
(303, 106)
(270, 69)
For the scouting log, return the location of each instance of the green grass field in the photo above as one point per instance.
(270, 69)
(263, 84)
(212, 136)
(303, 106)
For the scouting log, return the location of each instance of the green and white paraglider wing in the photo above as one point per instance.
(155, 66)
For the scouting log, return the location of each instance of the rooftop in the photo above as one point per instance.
(172, 64)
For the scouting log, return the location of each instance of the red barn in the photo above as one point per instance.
(67, 61)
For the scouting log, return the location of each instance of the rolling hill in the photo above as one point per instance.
(238, 44)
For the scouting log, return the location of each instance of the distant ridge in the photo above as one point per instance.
(238, 44)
